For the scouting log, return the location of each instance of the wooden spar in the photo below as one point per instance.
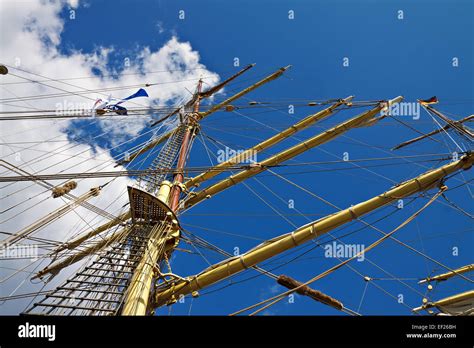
(310, 231)
(305, 290)
(447, 275)
(37, 178)
(147, 147)
(436, 131)
(226, 102)
(451, 300)
(206, 94)
(303, 124)
(357, 121)
(161, 139)
(54, 215)
(218, 87)
(456, 125)
(104, 227)
(55, 267)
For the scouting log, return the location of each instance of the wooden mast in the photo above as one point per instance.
(164, 235)
(191, 124)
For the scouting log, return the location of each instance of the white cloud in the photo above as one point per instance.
(73, 3)
(30, 35)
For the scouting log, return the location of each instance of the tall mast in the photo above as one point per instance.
(165, 234)
(121, 279)
(191, 127)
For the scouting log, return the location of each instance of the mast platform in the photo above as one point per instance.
(147, 209)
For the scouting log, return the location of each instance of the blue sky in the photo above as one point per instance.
(387, 57)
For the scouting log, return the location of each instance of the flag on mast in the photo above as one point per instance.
(432, 100)
(101, 106)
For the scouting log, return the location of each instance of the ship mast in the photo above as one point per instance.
(136, 303)
(161, 245)
(132, 258)
(191, 129)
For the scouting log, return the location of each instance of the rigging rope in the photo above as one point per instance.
(279, 297)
